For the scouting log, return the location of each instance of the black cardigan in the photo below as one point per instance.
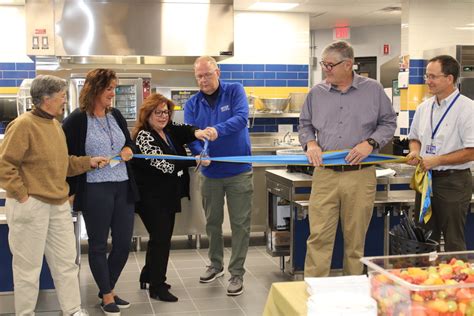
(75, 128)
(162, 183)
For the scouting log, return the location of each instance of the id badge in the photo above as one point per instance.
(431, 149)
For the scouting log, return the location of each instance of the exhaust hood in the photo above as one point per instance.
(130, 32)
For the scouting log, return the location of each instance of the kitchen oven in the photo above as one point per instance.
(131, 90)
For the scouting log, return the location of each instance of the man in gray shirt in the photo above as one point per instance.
(346, 111)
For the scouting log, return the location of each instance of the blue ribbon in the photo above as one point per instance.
(329, 158)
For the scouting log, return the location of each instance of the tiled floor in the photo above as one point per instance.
(183, 274)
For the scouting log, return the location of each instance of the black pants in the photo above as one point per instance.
(160, 225)
(452, 195)
(108, 211)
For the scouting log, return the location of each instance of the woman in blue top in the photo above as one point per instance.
(105, 196)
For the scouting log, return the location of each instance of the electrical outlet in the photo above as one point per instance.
(285, 128)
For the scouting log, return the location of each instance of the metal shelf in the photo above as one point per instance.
(274, 115)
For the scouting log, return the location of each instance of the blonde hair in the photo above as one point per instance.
(208, 59)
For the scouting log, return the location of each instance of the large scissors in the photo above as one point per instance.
(204, 154)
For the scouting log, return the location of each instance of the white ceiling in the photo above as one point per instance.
(330, 13)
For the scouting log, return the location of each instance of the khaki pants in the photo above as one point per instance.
(37, 228)
(348, 195)
(238, 191)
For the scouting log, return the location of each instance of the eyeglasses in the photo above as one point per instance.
(206, 76)
(161, 113)
(433, 77)
(330, 66)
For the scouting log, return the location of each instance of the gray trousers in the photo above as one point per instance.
(238, 190)
(452, 195)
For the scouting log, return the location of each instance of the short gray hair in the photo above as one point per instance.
(209, 59)
(343, 48)
(45, 86)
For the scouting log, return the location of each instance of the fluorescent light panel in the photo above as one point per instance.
(273, 6)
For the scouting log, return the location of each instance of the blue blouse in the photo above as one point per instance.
(105, 138)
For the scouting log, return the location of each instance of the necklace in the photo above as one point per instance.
(107, 130)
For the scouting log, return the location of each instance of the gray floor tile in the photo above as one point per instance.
(129, 276)
(193, 282)
(185, 267)
(125, 287)
(191, 272)
(226, 312)
(253, 311)
(207, 292)
(138, 309)
(47, 301)
(215, 304)
(258, 261)
(183, 264)
(175, 307)
(181, 314)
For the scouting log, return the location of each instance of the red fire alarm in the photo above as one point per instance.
(386, 49)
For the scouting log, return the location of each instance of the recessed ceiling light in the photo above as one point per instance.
(12, 2)
(273, 6)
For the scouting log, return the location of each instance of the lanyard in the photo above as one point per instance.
(433, 133)
(107, 130)
(170, 144)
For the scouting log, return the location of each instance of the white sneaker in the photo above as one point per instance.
(81, 312)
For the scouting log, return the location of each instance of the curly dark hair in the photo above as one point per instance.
(147, 108)
(97, 81)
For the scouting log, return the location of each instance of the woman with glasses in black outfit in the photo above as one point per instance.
(162, 184)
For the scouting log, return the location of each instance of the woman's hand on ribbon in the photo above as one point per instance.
(126, 154)
(99, 162)
(314, 154)
(359, 153)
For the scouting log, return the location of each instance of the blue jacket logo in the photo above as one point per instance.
(225, 108)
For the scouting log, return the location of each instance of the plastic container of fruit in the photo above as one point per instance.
(438, 284)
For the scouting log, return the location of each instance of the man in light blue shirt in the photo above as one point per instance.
(442, 134)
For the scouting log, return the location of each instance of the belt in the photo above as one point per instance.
(445, 173)
(341, 168)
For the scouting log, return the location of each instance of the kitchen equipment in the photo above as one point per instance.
(23, 100)
(297, 100)
(275, 105)
(131, 90)
(118, 32)
(8, 111)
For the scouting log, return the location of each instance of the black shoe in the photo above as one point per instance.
(143, 285)
(122, 304)
(110, 309)
(161, 293)
(118, 301)
(144, 279)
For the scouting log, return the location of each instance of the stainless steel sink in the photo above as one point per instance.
(296, 151)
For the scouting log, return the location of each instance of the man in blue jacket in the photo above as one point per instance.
(222, 109)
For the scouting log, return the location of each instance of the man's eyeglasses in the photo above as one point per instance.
(206, 76)
(330, 66)
(161, 113)
(433, 77)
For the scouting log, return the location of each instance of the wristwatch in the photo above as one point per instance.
(373, 143)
